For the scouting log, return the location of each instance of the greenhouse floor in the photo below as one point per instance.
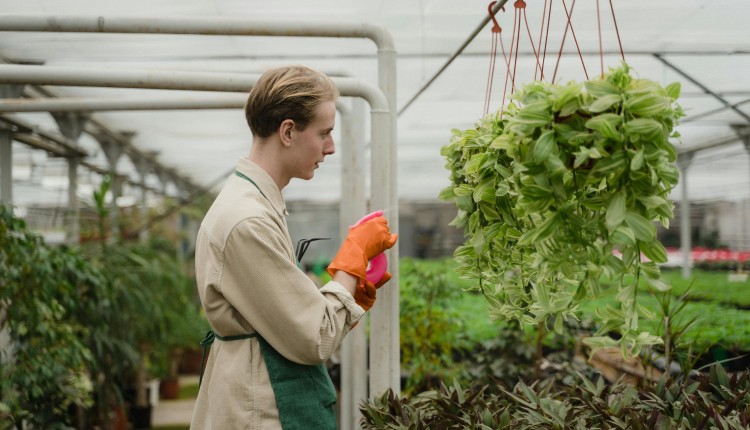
(173, 413)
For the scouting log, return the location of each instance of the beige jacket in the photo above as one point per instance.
(248, 281)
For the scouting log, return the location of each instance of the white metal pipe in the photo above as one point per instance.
(353, 173)
(74, 213)
(98, 104)
(213, 26)
(384, 322)
(168, 80)
(684, 161)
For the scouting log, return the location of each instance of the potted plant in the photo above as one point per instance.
(559, 191)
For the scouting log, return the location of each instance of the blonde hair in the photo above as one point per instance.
(292, 92)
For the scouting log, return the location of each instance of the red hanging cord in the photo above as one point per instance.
(575, 39)
(622, 53)
(539, 43)
(490, 73)
(510, 54)
(546, 36)
(519, 4)
(496, 30)
(531, 40)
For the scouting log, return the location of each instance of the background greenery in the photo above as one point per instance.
(87, 325)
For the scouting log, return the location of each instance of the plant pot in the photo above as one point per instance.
(190, 362)
(169, 389)
(140, 417)
(117, 420)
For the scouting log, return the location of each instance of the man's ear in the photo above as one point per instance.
(286, 128)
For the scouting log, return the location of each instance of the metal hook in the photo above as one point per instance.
(495, 27)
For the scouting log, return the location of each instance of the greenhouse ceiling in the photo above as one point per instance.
(704, 45)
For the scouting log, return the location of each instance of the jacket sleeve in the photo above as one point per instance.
(263, 284)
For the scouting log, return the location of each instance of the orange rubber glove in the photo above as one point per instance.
(363, 242)
(365, 293)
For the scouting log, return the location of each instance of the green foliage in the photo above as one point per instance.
(731, 330)
(58, 311)
(430, 330)
(78, 322)
(548, 191)
(710, 401)
(710, 286)
(155, 294)
(503, 360)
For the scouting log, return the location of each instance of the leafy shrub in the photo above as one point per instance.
(431, 332)
(78, 323)
(548, 190)
(710, 401)
(59, 314)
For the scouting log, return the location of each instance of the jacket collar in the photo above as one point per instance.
(265, 184)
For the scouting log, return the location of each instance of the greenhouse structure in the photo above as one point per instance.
(569, 181)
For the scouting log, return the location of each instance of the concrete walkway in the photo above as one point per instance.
(175, 412)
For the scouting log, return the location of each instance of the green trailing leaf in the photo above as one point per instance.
(637, 161)
(606, 124)
(643, 229)
(647, 105)
(604, 103)
(673, 90)
(655, 252)
(544, 146)
(601, 88)
(616, 210)
(644, 126)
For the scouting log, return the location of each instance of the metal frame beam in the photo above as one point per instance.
(91, 104)
(707, 90)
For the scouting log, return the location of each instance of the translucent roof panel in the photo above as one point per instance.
(704, 45)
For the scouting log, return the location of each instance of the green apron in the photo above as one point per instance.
(305, 395)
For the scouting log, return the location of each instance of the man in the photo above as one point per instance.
(273, 327)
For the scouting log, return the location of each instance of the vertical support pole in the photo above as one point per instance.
(71, 126)
(113, 150)
(142, 165)
(6, 150)
(6, 198)
(6, 168)
(385, 370)
(745, 234)
(73, 233)
(354, 348)
(683, 161)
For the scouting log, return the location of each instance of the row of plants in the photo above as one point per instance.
(446, 345)
(710, 286)
(87, 326)
(708, 298)
(709, 401)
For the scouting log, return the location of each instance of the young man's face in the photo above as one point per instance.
(313, 143)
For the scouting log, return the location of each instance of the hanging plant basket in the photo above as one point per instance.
(559, 192)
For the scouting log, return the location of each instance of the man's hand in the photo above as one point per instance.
(363, 242)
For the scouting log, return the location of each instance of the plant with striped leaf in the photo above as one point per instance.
(559, 192)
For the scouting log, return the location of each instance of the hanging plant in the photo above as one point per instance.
(558, 193)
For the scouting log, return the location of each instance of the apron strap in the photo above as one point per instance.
(209, 339)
